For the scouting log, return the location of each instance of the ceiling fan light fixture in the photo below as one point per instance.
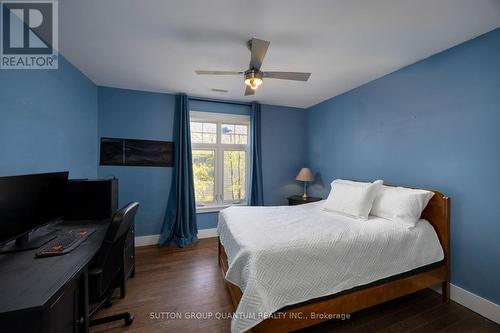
(253, 79)
(253, 83)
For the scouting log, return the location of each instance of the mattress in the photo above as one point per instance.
(284, 255)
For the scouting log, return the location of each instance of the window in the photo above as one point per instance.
(220, 159)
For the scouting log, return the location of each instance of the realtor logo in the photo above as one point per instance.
(29, 35)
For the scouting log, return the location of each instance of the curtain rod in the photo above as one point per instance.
(199, 99)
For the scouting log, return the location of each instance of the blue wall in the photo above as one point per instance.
(48, 122)
(433, 124)
(283, 152)
(138, 115)
(144, 115)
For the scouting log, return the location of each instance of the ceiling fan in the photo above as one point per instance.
(253, 75)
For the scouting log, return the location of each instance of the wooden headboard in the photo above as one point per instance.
(437, 213)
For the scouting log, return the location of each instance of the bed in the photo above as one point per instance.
(285, 265)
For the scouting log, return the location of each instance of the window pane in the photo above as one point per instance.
(234, 134)
(227, 131)
(209, 128)
(240, 129)
(203, 132)
(235, 169)
(240, 139)
(196, 127)
(196, 137)
(204, 175)
(209, 138)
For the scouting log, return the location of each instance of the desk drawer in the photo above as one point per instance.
(65, 309)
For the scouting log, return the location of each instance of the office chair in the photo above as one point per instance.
(107, 268)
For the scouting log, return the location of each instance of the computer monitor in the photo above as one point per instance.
(28, 202)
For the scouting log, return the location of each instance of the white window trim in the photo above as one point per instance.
(219, 148)
(216, 208)
(239, 119)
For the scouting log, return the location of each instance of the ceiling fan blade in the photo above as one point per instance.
(296, 76)
(258, 48)
(217, 72)
(249, 91)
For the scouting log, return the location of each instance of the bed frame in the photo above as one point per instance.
(437, 213)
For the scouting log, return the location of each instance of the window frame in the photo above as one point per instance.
(219, 148)
(209, 203)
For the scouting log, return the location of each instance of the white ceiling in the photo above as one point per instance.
(156, 45)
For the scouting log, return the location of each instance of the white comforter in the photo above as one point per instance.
(285, 255)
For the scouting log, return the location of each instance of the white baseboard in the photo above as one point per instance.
(474, 302)
(207, 233)
(147, 240)
(154, 239)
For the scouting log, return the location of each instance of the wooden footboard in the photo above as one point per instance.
(234, 290)
(299, 316)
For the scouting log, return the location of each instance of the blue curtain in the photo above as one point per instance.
(179, 227)
(256, 190)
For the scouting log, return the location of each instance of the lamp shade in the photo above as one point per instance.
(305, 175)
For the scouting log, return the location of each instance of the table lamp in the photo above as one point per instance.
(305, 175)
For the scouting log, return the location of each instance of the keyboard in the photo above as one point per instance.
(64, 243)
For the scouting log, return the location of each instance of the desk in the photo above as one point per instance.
(48, 294)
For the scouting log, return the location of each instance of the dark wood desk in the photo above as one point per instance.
(48, 294)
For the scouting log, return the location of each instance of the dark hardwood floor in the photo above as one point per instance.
(185, 281)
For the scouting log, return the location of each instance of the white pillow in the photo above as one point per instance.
(350, 198)
(400, 204)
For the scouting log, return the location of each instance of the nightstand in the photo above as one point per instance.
(298, 200)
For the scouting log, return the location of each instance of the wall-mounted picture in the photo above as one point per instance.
(129, 152)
